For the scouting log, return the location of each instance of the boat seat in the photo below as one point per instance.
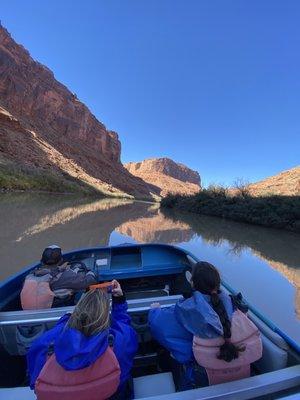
(275, 348)
(153, 385)
(273, 357)
(269, 333)
(24, 393)
(146, 294)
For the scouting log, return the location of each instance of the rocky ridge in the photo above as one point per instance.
(166, 176)
(286, 183)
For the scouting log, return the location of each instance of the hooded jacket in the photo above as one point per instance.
(174, 327)
(65, 280)
(74, 351)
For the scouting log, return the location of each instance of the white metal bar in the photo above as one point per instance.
(244, 389)
(52, 315)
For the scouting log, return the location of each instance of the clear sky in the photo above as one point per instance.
(214, 84)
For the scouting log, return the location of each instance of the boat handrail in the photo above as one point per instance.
(248, 388)
(9, 318)
(292, 343)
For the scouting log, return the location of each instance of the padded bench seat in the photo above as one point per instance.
(153, 385)
(18, 393)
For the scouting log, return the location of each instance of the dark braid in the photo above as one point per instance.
(206, 279)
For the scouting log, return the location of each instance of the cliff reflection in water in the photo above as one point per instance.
(156, 229)
(29, 222)
(279, 249)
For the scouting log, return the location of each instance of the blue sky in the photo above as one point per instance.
(211, 83)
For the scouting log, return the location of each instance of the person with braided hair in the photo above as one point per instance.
(209, 340)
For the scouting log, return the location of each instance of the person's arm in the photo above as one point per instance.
(75, 279)
(170, 333)
(119, 305)
(125, 338)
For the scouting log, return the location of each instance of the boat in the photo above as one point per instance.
(151, 273)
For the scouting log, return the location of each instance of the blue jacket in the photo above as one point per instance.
(74, 351)
(174, 327)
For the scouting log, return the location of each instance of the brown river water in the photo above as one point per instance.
(262, 263)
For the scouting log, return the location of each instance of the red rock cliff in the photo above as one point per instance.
(166, 175)
(286, 183)
(46, 109)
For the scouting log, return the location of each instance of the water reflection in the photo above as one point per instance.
(279, 249)
(68, 214)
(262, 262)
(156, 229)
(31, 222)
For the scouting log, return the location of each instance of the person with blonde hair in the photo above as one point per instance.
(88, 354)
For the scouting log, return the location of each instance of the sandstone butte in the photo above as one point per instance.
(286, 183)
(166, 176)
(44, 126)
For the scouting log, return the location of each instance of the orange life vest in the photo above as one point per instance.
(36, 292)
(243, 333)
(99, 381)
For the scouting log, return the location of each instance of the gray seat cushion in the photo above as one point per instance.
(273, 357)
(22, 393)
(153, 385)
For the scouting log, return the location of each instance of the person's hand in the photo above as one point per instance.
(116, 289)
(155, 305)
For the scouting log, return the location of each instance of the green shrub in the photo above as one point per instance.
(275, 211)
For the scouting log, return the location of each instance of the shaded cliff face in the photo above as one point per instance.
(45, 110)
(166, 175)
(286, 183)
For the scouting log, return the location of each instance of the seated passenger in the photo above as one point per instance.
(54, 284)
(208, 329)
(89, 354)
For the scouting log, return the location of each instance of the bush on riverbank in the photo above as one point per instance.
(273, 211)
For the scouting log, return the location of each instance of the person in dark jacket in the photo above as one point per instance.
(206, 314)
(80, 339)
(65, 279)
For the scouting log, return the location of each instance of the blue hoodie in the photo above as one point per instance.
(75, 351)
(174, 327)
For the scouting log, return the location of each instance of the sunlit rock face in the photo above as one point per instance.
(41, 109)
(286, 183)
(166, 176)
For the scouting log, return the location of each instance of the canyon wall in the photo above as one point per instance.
(53, 129)
(166, 175)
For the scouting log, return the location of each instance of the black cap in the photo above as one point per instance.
(51, 255)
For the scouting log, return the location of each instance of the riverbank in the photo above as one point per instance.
(281, 212)
(17, 178)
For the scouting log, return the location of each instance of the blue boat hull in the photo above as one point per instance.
(112, 262)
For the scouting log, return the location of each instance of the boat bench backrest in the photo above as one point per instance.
(273, 357)
(275, 348)
(17, 337)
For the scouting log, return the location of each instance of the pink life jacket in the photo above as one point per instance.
(36, 292)
(99, 381)
(243, 333)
